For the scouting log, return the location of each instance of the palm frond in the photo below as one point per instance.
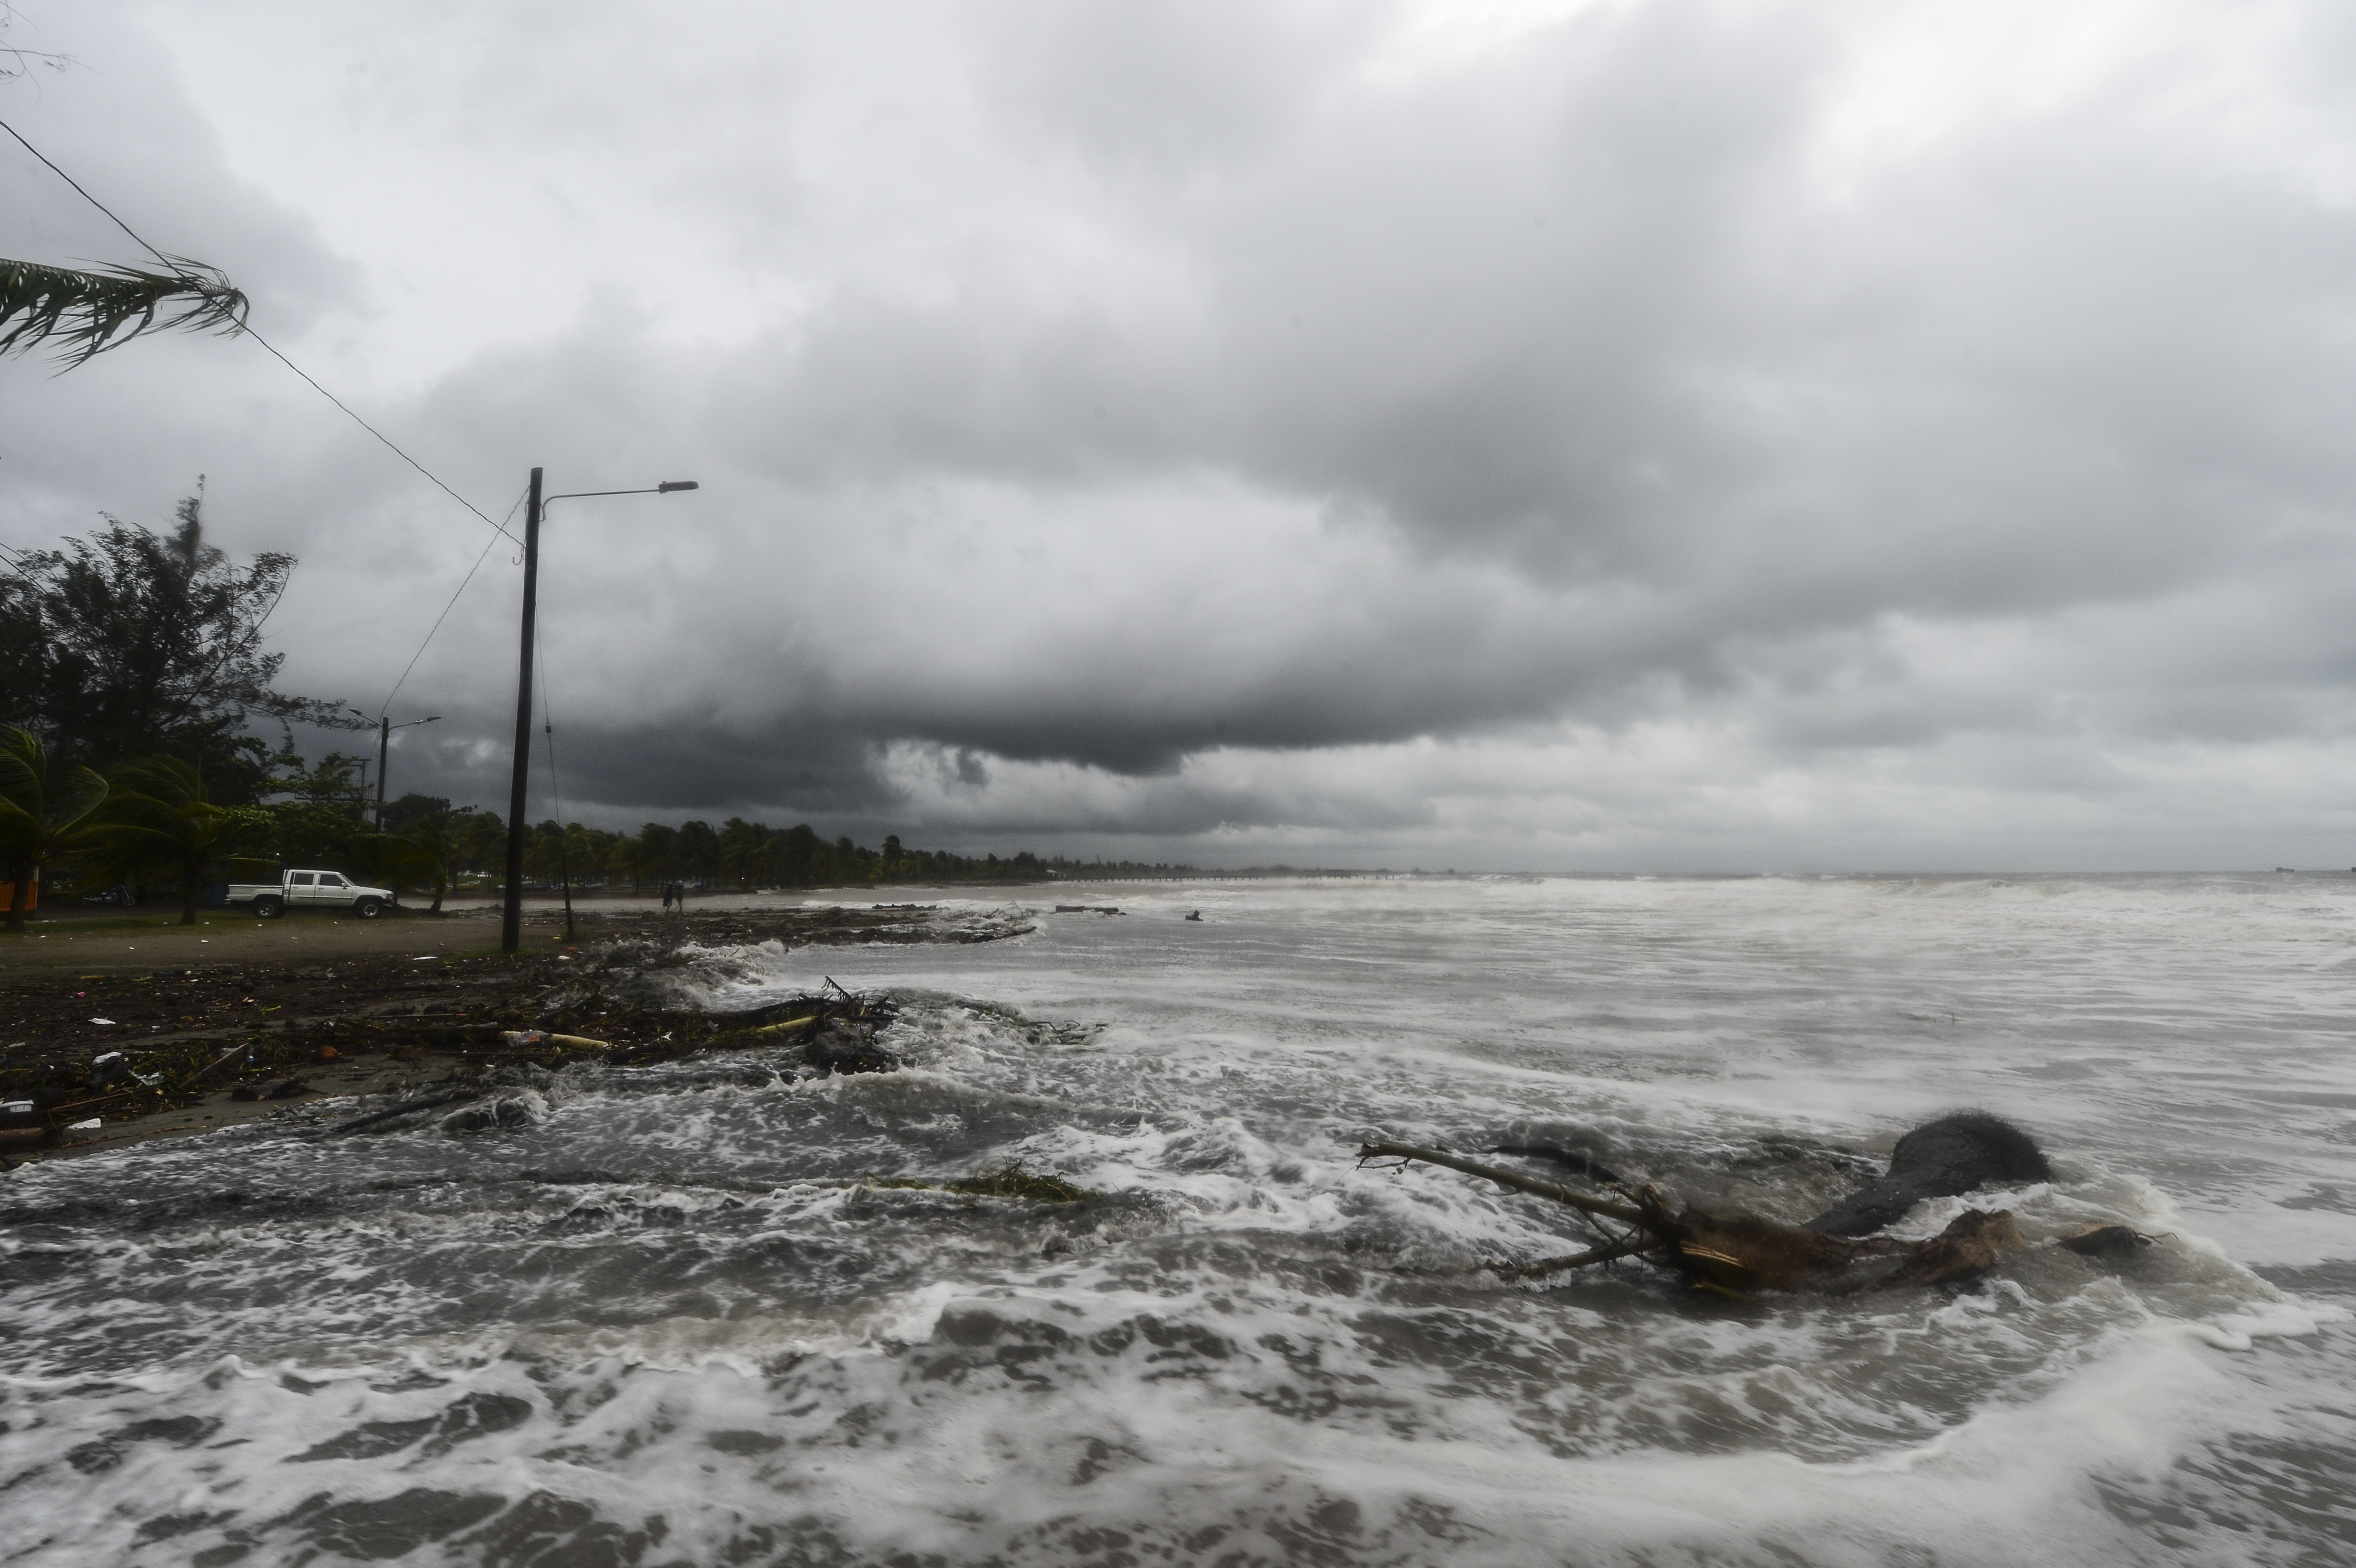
(91, 311)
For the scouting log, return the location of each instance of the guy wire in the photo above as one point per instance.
(453, 605)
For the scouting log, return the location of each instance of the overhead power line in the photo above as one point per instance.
(489, 545)
(248, 330)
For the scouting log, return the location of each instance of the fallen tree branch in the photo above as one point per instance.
(1738, 1254)
(1410, 1154)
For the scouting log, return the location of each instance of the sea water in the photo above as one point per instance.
(669, 1318)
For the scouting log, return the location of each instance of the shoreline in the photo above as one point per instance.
(352, 1008)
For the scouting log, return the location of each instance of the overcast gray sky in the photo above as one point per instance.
(1533, 434)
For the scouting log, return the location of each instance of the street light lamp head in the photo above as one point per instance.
(669, 485)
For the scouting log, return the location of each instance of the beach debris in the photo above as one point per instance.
(1086, 909)
(277, 1089)
(847, 1048)
(2098, 1240)
(405, 1108)
(527, 1038)
(1742, 1254)
(111, 1068)
(835, 1029)
(22, 1125)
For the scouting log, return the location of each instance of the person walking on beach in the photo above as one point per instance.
(666, 897)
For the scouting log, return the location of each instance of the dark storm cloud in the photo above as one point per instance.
(1182, 419)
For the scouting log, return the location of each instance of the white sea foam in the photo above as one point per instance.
(665, 1318)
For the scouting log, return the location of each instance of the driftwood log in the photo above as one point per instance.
(1736, 1254)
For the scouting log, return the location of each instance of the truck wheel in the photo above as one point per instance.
(369, 909)
(269, 908)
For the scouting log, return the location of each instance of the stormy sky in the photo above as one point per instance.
(1505, 435)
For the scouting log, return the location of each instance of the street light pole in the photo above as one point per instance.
(511, 916)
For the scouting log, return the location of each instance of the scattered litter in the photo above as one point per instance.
(16, 1108)
(97, 1020)
(543, 1037)
(89, 1126)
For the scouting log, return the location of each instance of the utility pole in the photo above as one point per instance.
(384, 728)
(511, 918)
(383, 748)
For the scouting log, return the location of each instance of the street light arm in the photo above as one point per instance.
(661, 489)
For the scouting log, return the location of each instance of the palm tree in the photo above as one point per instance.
(430, 849)
(159, 811)
(88, 312)
(39, 817)
(744, 851)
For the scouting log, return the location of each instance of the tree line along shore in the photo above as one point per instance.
(134, 689)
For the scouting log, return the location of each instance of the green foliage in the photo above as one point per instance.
(89, 312)
(744, 855)
(316, 833)
(129, 644)
(425, 848)
(160, 815)
(481, 841)
(408, 809)
(40, 816)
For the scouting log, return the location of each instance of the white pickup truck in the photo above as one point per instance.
(308, 890)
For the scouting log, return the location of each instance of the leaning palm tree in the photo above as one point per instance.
(39, 816)
(91, 311)
(160, 812)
